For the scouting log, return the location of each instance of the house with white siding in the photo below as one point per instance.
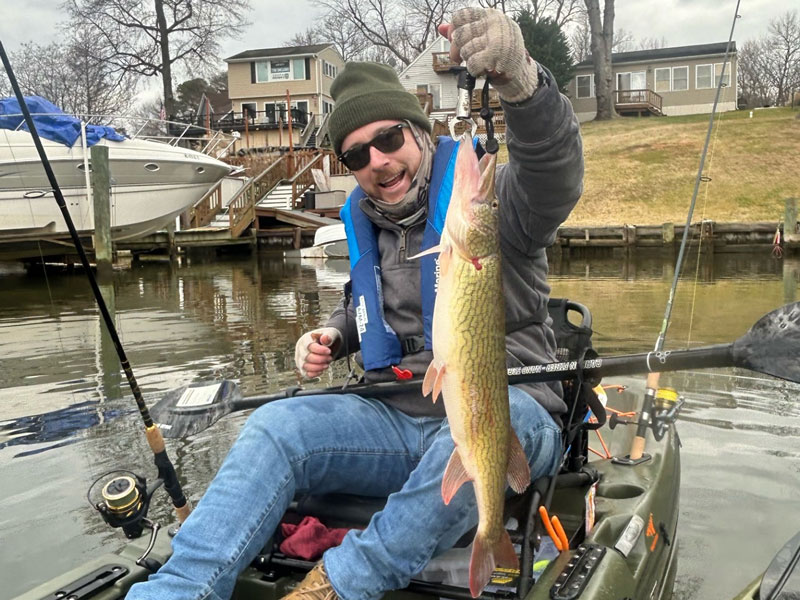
(433, 77)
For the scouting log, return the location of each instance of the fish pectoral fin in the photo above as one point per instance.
(519, 471)
(435, 250)
(434, 378)
(454, 475)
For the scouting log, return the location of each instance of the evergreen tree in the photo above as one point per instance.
(546, 43)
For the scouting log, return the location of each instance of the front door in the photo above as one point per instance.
(631, 86)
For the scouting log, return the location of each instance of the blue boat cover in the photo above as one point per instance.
(52, 123)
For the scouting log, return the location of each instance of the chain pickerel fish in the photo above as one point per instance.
(469, 367)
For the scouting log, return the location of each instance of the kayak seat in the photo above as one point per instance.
(571, 323)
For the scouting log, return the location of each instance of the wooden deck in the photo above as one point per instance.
(638, 102)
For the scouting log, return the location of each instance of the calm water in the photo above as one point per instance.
(67, 417)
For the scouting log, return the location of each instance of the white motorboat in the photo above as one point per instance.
(151, 183)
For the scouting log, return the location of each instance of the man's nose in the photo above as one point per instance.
(377, 158)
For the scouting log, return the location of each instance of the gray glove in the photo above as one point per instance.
(491, 44)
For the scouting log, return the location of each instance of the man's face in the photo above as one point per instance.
(387, 176)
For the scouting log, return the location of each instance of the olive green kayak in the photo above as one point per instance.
(629, 551)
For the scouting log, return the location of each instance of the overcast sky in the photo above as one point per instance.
(680, 22)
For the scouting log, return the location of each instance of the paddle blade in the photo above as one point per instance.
(772, 345)
(189, 410)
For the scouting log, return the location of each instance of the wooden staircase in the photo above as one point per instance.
(280, 186)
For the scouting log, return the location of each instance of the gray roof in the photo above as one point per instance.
(285, 51)
(664, 53)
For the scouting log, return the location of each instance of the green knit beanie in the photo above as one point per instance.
(365, 92)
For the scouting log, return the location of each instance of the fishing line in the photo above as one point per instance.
(646, 419)
(679, 262)
(708, 179)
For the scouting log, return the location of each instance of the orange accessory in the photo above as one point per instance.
(549, 527)
(562, 535)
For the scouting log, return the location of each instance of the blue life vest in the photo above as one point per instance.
(380, 346)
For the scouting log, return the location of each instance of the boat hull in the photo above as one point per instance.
(151, 183)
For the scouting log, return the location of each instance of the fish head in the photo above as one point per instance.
(472, 217)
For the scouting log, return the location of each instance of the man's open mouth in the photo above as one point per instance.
(393, 181)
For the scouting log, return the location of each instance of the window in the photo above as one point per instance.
(300, 112)
(326, 107)
(329, 69)
(249, 110)
(726, 82)
(680, 79)
(280, 70)
(262, 72)
(435, 90)
(702, 77)
(299, 68)
(584, 86)
(663, 81)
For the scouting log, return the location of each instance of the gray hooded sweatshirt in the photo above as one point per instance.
(536, 189)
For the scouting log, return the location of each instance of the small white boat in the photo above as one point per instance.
(152, 182)
(330, 241)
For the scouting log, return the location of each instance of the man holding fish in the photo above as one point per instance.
(453, 299)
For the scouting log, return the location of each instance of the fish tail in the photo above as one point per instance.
(486, 556)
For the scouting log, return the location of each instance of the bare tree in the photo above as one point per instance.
(769, 66)
(580, 38)
(783, 65)
(623, 41)
(602, 40)
(501, 5)
(84, 84)
(399, 29)
(754, 87)
(650, 43)
(152, 40)
(336, 30)
(561, 12)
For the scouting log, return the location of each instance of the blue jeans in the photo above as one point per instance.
(336, 443)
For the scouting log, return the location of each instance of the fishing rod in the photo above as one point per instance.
(646, 418)
(770, 347)
(166, 470)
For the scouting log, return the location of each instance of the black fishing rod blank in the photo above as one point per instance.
(166, 469)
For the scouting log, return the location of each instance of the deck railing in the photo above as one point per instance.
(208, 207)
(294, 169)
(242, 207)
(649, 98)
(442, 62)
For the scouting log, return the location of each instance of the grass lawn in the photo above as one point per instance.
(642, 170)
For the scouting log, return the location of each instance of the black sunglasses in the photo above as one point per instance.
(388, 140)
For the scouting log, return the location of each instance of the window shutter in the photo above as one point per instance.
(252, 72)
(308, 68)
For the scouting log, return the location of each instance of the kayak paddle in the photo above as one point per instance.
(771, 347)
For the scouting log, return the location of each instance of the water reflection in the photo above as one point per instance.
(61, 390)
